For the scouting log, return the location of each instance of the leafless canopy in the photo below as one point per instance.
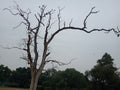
(33, 31)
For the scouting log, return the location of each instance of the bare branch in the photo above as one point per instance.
(39, 19)
(11, 11)
(81, 29)
(64, 24)
(47, 28)
(118, 34)
(29, 50)
(25, 58)
(55, 61)
(47, 54)
(70, 22)
(20, 25)
(84, 28)
(13, 48)
(59, 63)
(59, 19)
(90, 13)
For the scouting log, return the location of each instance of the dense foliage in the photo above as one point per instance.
(103, 76)
(16, 78)
(70, 79)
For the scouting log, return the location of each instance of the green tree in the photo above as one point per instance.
(69, 79)
(5, 73)
(21, 77)
(46, 79)
(75, 79)
(104, 75)
(59, 80)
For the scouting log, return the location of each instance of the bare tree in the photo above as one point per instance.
(44, 23)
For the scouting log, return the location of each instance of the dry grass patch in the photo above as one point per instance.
(8, 88)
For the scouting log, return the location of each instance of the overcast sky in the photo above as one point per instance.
(84, 48)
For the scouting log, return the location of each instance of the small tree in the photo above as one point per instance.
(44, 24)
(5, 73)
(104, 75)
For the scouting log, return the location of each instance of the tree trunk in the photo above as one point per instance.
(34, 81)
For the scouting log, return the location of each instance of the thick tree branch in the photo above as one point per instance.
(28, 50)
(84, 28)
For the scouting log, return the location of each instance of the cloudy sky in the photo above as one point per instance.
(84, 48)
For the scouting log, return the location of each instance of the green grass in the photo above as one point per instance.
(8, 88)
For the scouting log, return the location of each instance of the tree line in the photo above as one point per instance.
(103, 76)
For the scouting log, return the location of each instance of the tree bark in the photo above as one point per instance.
(33, 85)
(34, 81)
(35, 75)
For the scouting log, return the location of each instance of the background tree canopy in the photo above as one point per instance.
(103, 76)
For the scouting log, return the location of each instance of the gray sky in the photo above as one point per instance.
(84, 48)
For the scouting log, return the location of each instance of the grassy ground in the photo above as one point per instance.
(8, 88)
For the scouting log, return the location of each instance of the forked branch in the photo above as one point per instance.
(90, 13)
(84, 28)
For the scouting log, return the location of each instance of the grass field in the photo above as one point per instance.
(8, 88)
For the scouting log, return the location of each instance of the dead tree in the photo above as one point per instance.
(44, 24)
